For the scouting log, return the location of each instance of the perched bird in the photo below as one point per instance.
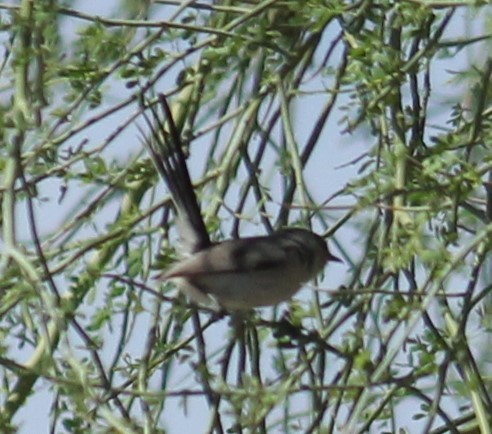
(237, 274)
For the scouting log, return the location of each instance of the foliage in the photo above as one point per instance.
(269, 96)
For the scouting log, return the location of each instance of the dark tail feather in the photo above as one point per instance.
(166, 151)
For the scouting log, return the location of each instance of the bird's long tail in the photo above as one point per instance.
(166, 151)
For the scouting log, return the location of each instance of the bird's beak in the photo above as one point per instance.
(333, 258)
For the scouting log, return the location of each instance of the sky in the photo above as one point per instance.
(327, 172)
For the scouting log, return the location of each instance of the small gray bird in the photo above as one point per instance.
(236, 274)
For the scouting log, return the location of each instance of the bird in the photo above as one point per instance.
(237, 274)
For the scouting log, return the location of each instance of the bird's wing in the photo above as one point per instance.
(244, 255)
